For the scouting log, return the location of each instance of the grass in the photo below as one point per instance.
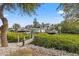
(68, 42)
(13, 37)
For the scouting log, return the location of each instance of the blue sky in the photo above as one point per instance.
(47, 13)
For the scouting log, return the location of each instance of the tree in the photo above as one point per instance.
(28, 8)
(71, 16)
(16, 27)
(70, 26)
(71, 10)
(42, 25)
(36, 24)
(28, 27)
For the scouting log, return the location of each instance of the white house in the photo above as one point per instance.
(37, 30)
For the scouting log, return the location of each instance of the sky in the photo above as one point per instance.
(46, 13)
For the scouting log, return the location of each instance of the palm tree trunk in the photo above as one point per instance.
(3, 28)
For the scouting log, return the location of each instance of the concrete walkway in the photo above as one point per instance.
(29, 40)
(20, 43)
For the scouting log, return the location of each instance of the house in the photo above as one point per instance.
(21, 30)
(52, 31)
(37, 30)
(11, 30)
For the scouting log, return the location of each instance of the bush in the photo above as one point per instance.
(68, 42)
(13, 37)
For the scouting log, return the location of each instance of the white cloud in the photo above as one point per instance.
(60, 12)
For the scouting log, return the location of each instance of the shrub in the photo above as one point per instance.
(68, 42)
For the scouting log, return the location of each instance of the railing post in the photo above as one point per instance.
(23, 41)
(24, 38)
(18, 40)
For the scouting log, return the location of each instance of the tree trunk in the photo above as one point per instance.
(4, 42)
(3, 28)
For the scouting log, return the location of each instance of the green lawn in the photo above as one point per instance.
(13, 37)
(68, 42)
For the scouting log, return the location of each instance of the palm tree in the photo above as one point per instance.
(16, 27)
(24, 7)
